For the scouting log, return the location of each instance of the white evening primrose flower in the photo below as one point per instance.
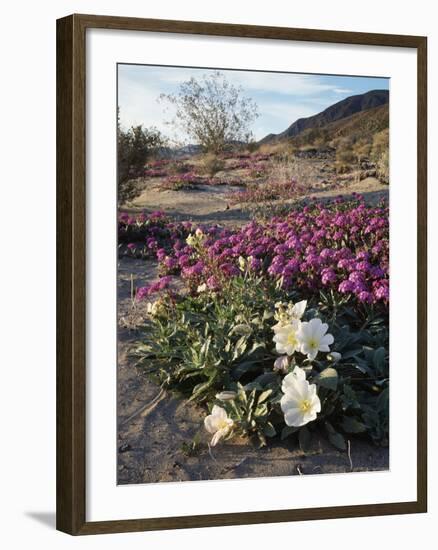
(152, 307)
(202, 288)
(218, 423)
(297, 310)
(286, 338)
(292, 377)
(226, 395)
(313, 338)
(300, 403)
(334, 356)
(191, 240)
(281, 364)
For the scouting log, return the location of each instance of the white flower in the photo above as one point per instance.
(285, 316)
(334, 356)
(313, 338)
(152, 307)
(297, 310)
(218, 423)
(286, 338)
(202, 288)
(291, 378)
(242, 263)
(300, 403)
(191, 240)
(227, 395)
(281, 364)
(199, 233)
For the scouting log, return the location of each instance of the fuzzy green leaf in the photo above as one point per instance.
(304, 438)
(269, 430)
(351, 425)
(328, 378)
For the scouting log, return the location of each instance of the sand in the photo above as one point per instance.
(208, 204)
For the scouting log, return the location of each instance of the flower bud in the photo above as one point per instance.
(226, 395)
(281, 364)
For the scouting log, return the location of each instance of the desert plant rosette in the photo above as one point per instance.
(263, 372)
(304, 391)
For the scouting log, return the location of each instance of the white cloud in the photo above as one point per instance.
(342, 91)
(282, 98)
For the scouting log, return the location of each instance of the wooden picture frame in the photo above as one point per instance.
(71, 272)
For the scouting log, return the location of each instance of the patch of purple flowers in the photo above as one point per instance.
(323, 246)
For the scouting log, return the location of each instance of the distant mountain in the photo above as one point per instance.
(343, 109)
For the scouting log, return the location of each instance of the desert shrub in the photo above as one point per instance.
(282, 168)
(362, 149)
(380, 154)
(180, 167)
(286, 167)
(212, 111)
(134, 147)
(252, 146)
(345, 157)
(383, 167)
(211, 164)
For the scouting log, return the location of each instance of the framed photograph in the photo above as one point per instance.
(241, 287)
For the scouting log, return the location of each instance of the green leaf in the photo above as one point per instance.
(328, 378)
(338, 441)
(383, 400)
(304, 439)
(351, 425)
(263, 396)
(263, 380)
(335, 438)
(287, 431)
(379, 359)
(201, 388)
(241, 330)
(261, 410)
(351, 353)
(269, 430)
(267, 315)
(242, 368)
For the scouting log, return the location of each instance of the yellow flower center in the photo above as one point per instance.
(305, 406)
(312, 343)
(292, 339)
(222, 424)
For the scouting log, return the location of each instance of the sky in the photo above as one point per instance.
(282, 98)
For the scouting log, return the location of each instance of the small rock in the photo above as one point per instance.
(125, 448)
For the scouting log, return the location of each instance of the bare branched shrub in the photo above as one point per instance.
(212, 112)
(286, 167)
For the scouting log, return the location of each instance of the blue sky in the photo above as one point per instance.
(282, 98)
